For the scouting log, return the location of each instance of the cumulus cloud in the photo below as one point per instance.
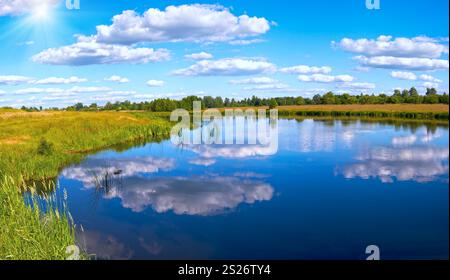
(398, 47)
(184, 23)
(409, 63)
(155, 83)
(199, 56)
(254, 81)
(86, 51)
(270, 87)
(18, 7)
(117, 79)
(73, 90)
(246, 42)
(305, 69)
(58, 80)
(418, 53)
(430, 85)
(14, 80)
(227, 67)
(429, 78)
(357, 86)
(403, 75)
(320, 78)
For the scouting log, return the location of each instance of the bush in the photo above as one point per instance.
(45, 148)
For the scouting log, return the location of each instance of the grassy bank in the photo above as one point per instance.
(403, 111)
(31, 233)
(408, 111)
(38, 145)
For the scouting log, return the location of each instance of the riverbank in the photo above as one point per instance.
(401, 111)
(34, 146)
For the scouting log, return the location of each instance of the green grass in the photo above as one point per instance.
(36, 146)
(32, 231)
(71, 136)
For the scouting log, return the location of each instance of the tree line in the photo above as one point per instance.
(406, 96)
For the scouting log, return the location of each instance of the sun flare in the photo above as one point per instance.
(41, 11)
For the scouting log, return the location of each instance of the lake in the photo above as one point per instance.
(330, 189)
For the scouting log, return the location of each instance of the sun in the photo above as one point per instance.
(41, 11)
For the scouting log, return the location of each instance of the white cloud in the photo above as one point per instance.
(86, 51)
(403, 75)
(358, 86)
(416, 47)
(184, 23)
(246, 42)
(117, 79)
(420, 164)
(18, 7)
(305, 69)
(202, 161)
(38, 90)
(227, 67)
(254, 81)
(14, 80)
(58, 80)
(199, 56)
(320, 78)
(270, 87)
(409, 63)
(429, 78)
(88, 89)
(72, 90)
(2, 92)
(155, 83)
(430, 85)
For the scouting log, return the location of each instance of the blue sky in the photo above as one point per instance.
(54, 56)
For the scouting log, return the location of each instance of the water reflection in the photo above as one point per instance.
(128, 180)
(201, 195)
(94, 170)
(166, 201)
(420, 164)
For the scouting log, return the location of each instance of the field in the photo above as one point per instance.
(35, 146)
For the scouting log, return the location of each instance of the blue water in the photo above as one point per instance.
(330, 189)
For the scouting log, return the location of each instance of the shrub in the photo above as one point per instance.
(45, 148)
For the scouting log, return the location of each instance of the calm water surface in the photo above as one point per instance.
(331, 189)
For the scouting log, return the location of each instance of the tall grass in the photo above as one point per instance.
(35, 230)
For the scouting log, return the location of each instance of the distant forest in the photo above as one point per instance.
(410, 96)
